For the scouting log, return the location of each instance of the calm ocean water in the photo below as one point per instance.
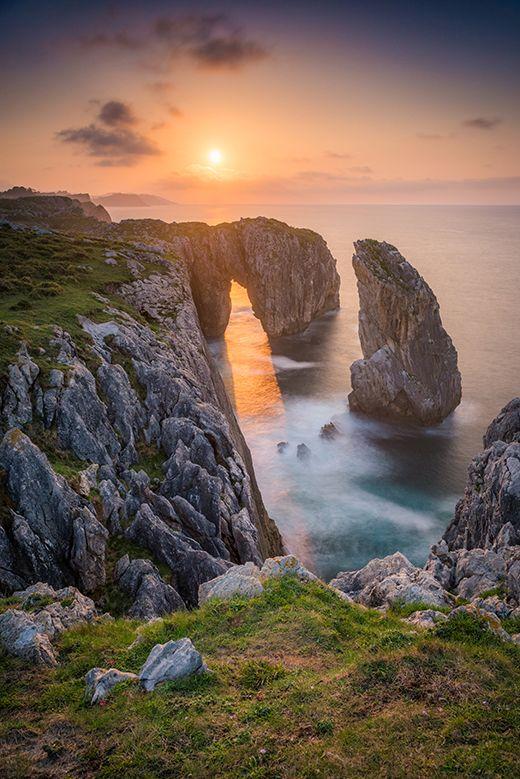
(379, 487)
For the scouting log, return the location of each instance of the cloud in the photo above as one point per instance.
(173, 110)
(212, 41)
(361, 169)
(112, 138)
(483, 122)
(231, 52)
(337, 155)
(115, 113)
(161, 88)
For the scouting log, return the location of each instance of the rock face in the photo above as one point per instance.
(131, 393)
(289, 273)
(489, 513)
(506, 425)
(152, 597)
(28, 631)
(392, 579)
(409, 370)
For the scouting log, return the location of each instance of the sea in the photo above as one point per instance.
(378, 487)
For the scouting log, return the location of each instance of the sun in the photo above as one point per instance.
(215, 156)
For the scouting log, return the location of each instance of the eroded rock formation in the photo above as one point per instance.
(135, 412)
(289, 273)
(409, 366)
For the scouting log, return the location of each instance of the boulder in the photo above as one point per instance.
(478, 570)
(100, 681)
(171, 661)
(239, 580)
(329, 431)
(409, 366)
(22, 637)
(276, 567)
(303, 452)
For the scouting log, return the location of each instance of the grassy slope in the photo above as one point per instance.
(302, 685)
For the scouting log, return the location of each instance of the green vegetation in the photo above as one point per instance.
(302, 684)
(48, 280)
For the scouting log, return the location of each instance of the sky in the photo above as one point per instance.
(396, 101)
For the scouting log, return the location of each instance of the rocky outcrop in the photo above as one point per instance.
(53, 211)
(409, 366)
(51, 534)
(289, 273)
(41, 615)
(392, 579)
(131, 392)
(151, 596)
(489, 513)
(505, 426)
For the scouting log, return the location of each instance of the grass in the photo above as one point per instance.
(302, 684)
(50, 279)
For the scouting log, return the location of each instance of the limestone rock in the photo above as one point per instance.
(170, 661)
(100, 681)
(239, 580)
(54, 536)
(409, 366)
(22, 637)
(152, 597)
(276, 567)
(505, 426)
(390, 580)
(28, 634)
(427, 618)
(491, 500)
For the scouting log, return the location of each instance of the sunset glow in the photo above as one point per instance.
(215, 156)
(353, 104)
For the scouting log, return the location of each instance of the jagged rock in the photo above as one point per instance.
(53, 537)
(245, 536)
(282, 446)
(389, 580)
(491, 500)
(82, 421)
(22, 637)
(303, 452)
(112, 506)
(427, 618)
(17, 403)
(100, 681)
(329, 431)
(189, 563)
(152, 597)
(87, 480)
(478, 570)
(276, 567)
(239, 580)
(494, 605)
(409, 366)
(28, 634)
(505, 426)
(170, 661)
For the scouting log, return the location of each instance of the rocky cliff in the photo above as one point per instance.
(289, 273)
(53, 205)
(409, 370)
(478, 557)
(117, 430)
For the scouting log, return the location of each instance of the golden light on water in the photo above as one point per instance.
(254, 386)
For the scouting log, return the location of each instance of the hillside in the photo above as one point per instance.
(301, 684)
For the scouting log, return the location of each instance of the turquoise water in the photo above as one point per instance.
(378, 487)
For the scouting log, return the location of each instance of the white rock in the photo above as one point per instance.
(239, 580)
(170, 661)
(100, 681)
(276, 567)
(427, 618)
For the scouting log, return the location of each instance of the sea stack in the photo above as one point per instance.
(409, 370)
